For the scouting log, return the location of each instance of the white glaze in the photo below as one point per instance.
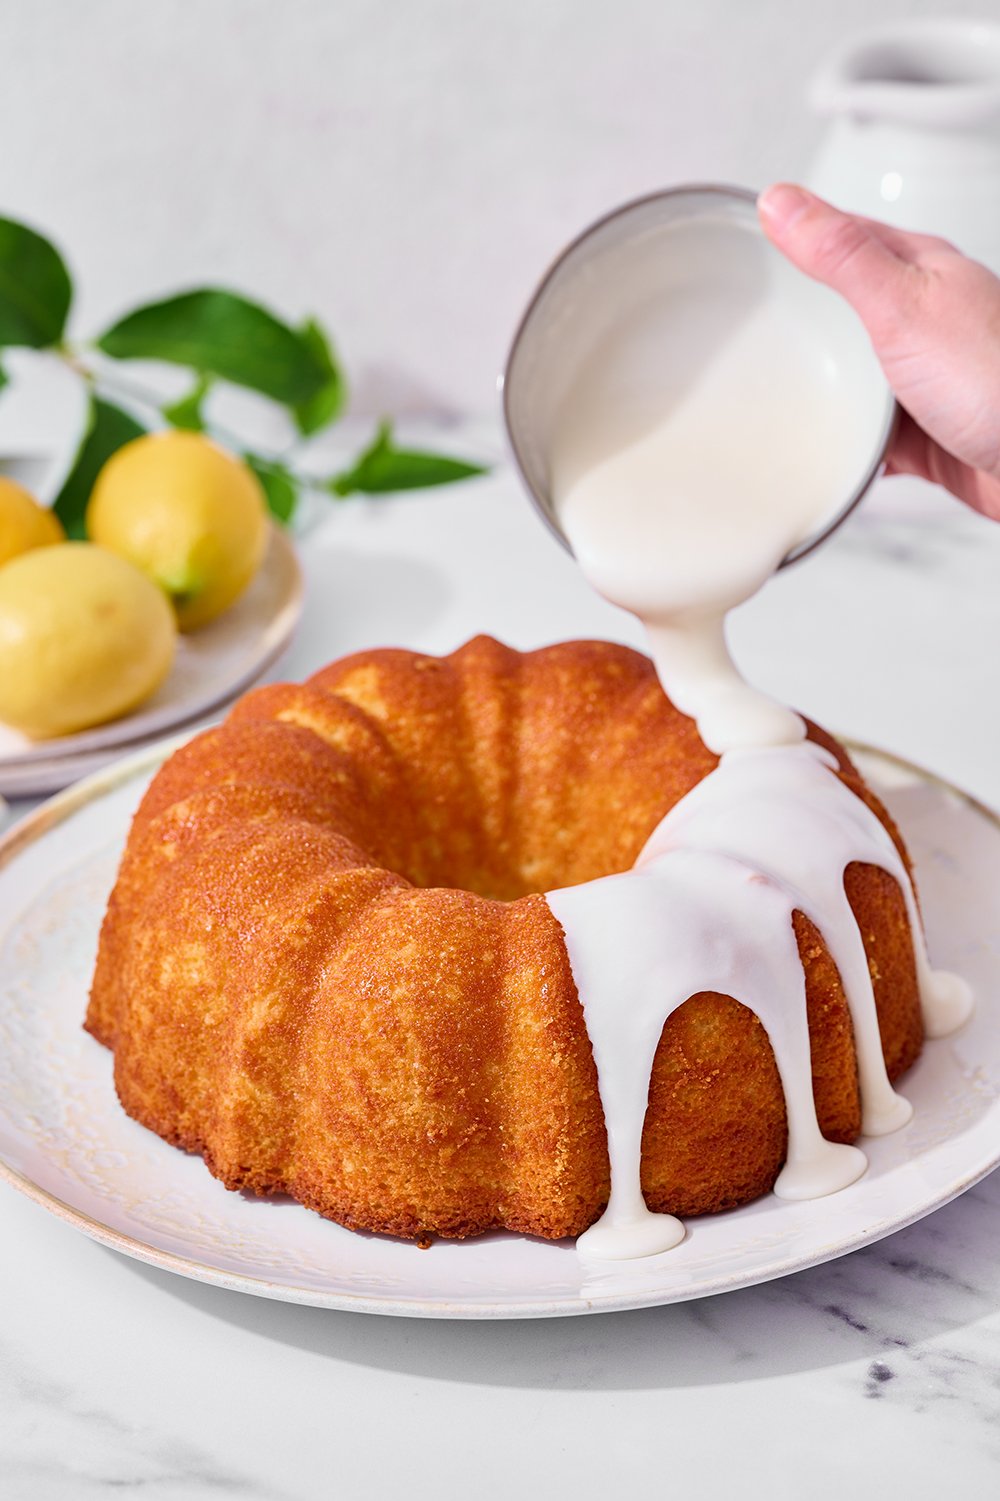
(700, 442)
(708, 907)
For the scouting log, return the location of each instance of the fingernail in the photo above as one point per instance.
(782, 204)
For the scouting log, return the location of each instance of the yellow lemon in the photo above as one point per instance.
(24, 524)
(84, 636)
(187, 513)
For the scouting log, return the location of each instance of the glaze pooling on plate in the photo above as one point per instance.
(708, 907)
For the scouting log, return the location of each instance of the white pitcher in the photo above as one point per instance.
(914, 137)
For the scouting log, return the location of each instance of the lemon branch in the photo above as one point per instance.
(217, 336)
(381, 468)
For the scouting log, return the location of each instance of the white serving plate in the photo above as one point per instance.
(212, 666)
(65, 1141)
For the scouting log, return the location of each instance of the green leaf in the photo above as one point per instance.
(328, 403)
(186, 413)
(109, 428)
(4, 377)
(383, 468)
(35, 289)
(222, 334)
(281, 486)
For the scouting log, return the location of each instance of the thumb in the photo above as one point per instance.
(843, 252)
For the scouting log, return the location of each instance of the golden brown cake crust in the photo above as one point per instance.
(327, 967)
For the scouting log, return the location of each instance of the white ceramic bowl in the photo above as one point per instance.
(607, 274)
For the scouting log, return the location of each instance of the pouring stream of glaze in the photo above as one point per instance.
(696, 447)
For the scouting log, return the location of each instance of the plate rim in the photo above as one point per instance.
(64, 804)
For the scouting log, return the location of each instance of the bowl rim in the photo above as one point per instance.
(542, 503)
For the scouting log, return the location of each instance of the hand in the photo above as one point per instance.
(933, 317)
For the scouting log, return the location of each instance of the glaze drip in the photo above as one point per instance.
(708, 907)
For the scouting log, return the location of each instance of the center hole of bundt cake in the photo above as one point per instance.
(499, 851)
(504, 773)
(452, 834)
(478, 869)
(463, 856)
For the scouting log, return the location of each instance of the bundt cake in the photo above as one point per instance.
(329, 966)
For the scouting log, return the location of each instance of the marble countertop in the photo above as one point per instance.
(880, 1369)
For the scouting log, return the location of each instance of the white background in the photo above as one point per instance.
(404, 168)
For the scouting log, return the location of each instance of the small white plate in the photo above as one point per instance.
(65, 1141)
(212, 666)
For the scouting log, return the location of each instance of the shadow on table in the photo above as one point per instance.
(929, 1280)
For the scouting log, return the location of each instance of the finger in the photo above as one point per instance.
(843, 252)
(914, 452)
(906, 243)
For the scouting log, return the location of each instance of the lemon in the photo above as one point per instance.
(84, 636)
(24, 524)
(187, 513)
